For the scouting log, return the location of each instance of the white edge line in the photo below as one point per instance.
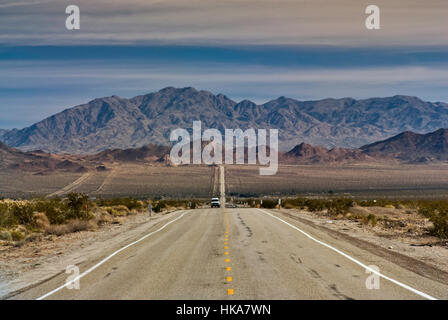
(422, 294)
(107, 258)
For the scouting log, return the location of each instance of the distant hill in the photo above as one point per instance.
(305, 153)
(150, 153)
(38, 161)
(114, 122)
(412, 147)
(407, 147)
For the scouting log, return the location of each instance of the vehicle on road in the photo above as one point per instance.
(215, 203)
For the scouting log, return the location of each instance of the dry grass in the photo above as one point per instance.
(70, 227)
(41, 221)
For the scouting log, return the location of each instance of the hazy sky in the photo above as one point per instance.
(339, 22)
(255, 49)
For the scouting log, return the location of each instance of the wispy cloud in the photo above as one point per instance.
(35, 89)
(404, 22)
(24, 3)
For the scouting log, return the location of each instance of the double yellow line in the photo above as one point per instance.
(226, 253)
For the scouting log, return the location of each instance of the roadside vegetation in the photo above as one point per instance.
(436, 211)
(29, 220)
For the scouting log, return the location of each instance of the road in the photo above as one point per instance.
(71, 186)
(222, 185)
(238, 253)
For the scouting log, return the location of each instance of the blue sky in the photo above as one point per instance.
(257, 50)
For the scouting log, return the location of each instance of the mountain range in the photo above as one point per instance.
(115, 122)
(407, 147)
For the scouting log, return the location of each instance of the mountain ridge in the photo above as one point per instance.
(411, 146)
(115, 122)
(406, 147)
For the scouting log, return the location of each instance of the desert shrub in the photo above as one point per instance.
(440, 225)
(437, 212)
(7, 220)
(77, 225)
(288, 205)
(296, 203)
(375, 203)
(103, 217)
(22, 212)
(388, 203)
(75, 204)
(193, 205)
(268, 203)
(41, 221)
(314, 205)
(5, 235)
(58, 229)
(371, 218)
(54, 209)
(17, 235)
(74, 225)
(119, 211)
(130, 203)
(251, 202)
(159, 206)
(339, 206)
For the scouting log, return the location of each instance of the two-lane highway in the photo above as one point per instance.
(238, 254)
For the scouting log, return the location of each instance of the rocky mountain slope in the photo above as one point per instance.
(114, 122)
(412, 147)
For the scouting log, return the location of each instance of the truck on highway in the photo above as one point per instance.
(215, 203)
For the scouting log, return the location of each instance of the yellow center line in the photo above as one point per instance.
(229, 279)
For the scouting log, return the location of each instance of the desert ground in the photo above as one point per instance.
(124, 180)
(143, 180)
(363, 180)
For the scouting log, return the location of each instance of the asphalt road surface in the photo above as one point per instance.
(238, 254)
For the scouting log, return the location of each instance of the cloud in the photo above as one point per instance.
(404, 22)
(35, 89)
(23, 3)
